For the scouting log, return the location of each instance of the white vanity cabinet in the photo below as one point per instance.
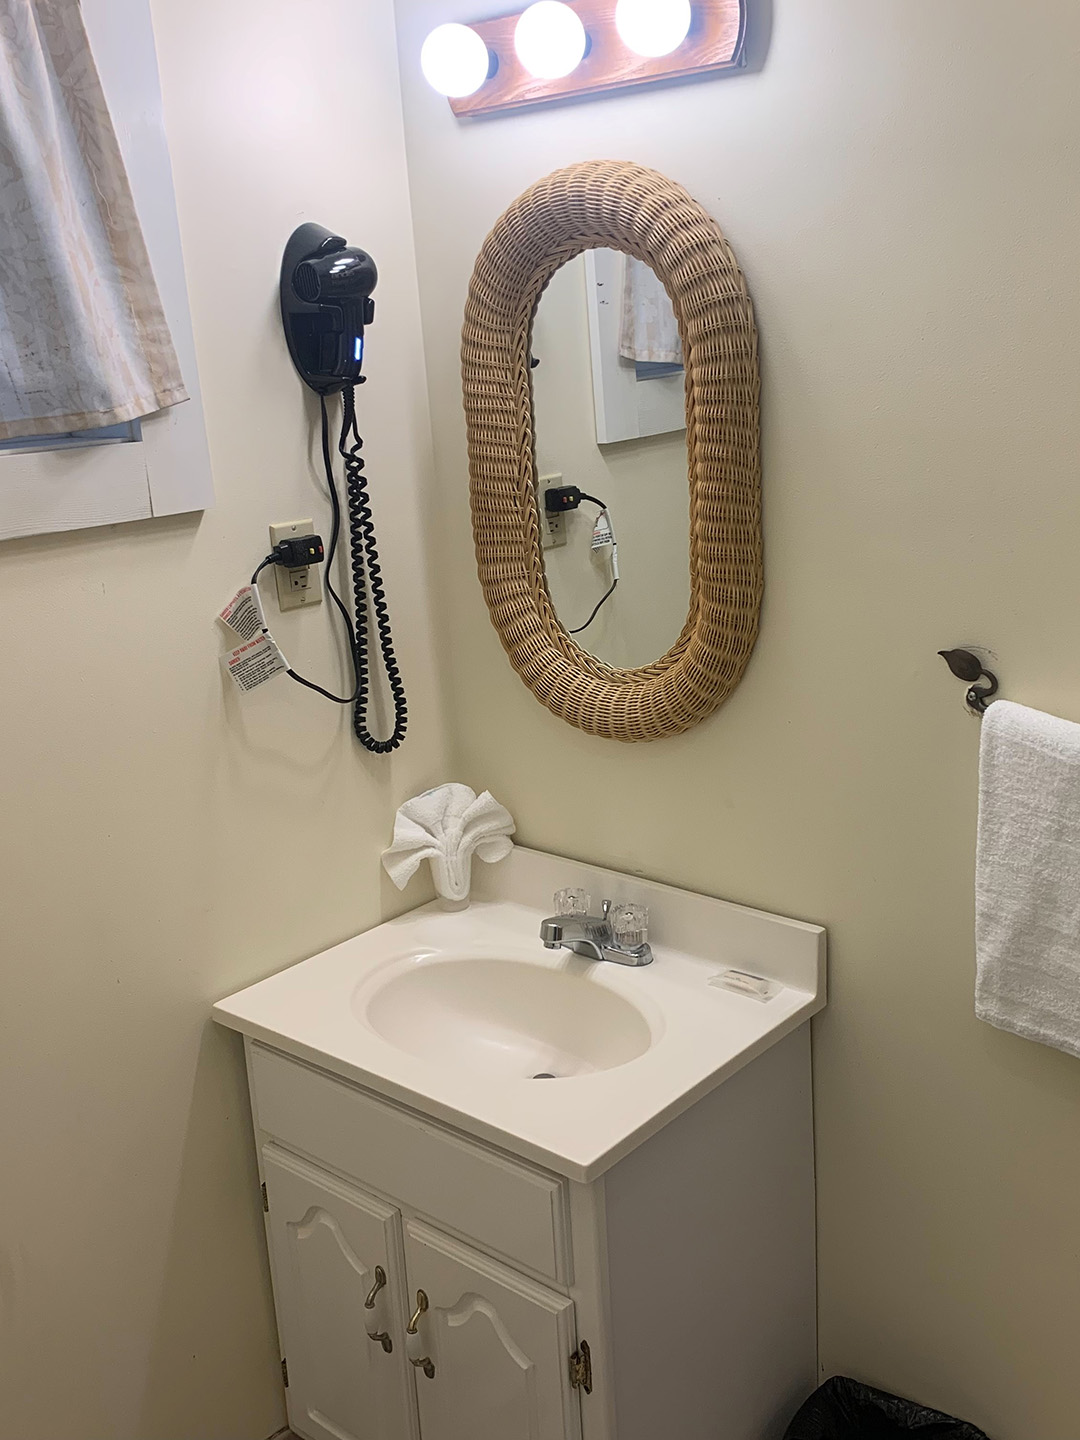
(343, 1283)
(331, 1245)
(463, 1248)
(497, 1345)
(672, 1295)
(447, 1253)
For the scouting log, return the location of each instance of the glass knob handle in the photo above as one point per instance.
(630, 925)
(572, 901)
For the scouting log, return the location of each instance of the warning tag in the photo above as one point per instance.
(602, 535)
(244, 613)
(255, 662)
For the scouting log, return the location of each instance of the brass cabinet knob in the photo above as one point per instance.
(421, 1309)
(424, 1362)
(380, 1282)
(380, 1337)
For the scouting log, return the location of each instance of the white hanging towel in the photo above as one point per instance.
(648, 330)
(1027, 887)
(447, 826)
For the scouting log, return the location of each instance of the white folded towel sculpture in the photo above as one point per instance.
(447, 826)
(1027, 926)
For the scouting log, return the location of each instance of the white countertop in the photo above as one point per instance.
(579, 1126)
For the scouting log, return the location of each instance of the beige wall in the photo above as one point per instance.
(150, 862)
(899, 182)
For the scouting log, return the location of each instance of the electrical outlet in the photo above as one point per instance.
(296, 589)
(552, 527)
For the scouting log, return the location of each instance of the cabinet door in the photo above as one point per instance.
(326, 1240)
(500, 1345)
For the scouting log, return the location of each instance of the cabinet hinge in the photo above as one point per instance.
(285, 1371)
(266, 1199)
(581, 1368)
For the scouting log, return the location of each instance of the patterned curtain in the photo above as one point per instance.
(83, 337)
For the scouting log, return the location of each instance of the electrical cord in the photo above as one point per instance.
(292, 674)
(606, 596)
(367, 576)
(611, 589)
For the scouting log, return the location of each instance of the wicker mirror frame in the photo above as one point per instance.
(628, 208)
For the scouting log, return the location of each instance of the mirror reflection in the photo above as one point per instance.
(609, 423)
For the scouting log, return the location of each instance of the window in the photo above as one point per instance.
(158, 465)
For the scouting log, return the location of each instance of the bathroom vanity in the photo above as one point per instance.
(621, 1248)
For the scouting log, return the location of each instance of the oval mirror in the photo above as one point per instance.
(609, 423)
(677, 451)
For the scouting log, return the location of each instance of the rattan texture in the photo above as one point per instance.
(628, 208)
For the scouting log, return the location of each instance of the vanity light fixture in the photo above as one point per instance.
(653, 27)
(455, 61)
(569, 49)
(550, 40)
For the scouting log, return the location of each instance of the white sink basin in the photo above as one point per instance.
(453, 1014)
(505, 1018)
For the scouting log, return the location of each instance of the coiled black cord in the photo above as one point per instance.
(366, 572)
(367, 580)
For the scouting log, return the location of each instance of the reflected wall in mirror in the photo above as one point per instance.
(609, 418)
(685, 508)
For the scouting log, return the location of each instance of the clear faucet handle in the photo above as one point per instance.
(572, 901)
(629, 925)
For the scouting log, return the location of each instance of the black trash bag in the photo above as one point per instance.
(845, 1410)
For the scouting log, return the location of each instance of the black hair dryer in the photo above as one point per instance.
(326, 303)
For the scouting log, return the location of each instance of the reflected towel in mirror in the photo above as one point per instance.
(649, 331)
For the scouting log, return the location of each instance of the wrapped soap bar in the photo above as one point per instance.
(742, 982)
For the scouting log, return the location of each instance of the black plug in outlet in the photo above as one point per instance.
(299, 551)
(560, 498)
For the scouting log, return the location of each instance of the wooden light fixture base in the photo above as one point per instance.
(715, 42)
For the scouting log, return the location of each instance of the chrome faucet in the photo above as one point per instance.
(595, 936)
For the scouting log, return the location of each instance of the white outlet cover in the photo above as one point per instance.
(552, 527)
(296, 589)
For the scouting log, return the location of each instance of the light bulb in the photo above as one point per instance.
(455, 61)
(652, 27)
(550, 40)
